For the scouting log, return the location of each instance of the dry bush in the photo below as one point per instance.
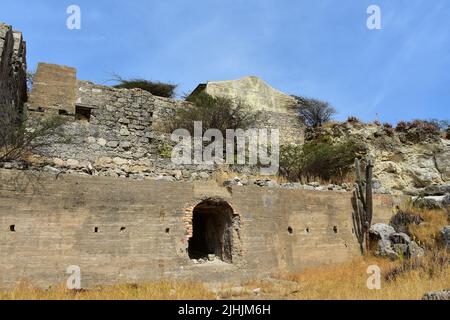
(21, 136)
(314, 113)
(160, 89)
(428, 233)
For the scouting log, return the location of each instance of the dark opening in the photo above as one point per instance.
(307, 230)
(213, 226)
(96, 230)
(12, 228)
(83, 113)
(123, 229)
(290, 230)
(335, 229)
(167, 230)
(62, 112)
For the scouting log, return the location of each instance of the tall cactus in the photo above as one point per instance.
(362, 217)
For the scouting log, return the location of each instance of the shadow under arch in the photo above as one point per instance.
(215, 231)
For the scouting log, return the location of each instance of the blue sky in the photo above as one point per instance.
(313, 48)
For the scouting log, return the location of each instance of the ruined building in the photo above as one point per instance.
(151, 227)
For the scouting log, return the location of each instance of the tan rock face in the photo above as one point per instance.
(400, 166)
(443, 161)
(253, 92)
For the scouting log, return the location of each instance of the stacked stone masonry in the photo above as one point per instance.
(13, 83)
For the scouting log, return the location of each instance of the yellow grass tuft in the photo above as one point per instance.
(164, 290)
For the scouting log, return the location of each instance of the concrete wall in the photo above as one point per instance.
(13, 87)
(54, 219)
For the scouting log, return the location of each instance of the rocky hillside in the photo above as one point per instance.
(411, 158)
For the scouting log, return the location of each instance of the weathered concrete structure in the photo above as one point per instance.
(278, 110)
(124, 230)
(252, 91)
(13, 66)
(120, 230)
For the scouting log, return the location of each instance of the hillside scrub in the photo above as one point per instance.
(327, 160)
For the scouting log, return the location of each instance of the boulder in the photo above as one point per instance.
(446, 235)
(235, 182)
(414, 250)
(436, 190)
(73, 164)
(266, 183)
(385, 250)
(446, 200)
(434, 202)
(382, 231)
(400, 238)
(401, 250)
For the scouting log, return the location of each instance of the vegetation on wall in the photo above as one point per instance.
(214, 113)
(20, 136)
(160, 89)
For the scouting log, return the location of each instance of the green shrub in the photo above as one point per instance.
(318, 159)
(165, 150)
(214, 113)
(157, 88)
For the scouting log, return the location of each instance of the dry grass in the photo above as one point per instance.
(349, 282)
(341, 282)
(428, 233)
(164, 290)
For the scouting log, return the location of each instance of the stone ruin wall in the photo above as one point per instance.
(13, 83)
(125, 231)
(127, 128)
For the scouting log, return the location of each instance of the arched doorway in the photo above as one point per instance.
(215, 228)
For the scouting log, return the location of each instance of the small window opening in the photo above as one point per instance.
(167, 230)
(83, 113)
(290, 230)
(96, 230)
(123, 229)
(307, 230)
(12, 228)
(335, 229)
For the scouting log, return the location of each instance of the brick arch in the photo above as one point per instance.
(218, 225)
